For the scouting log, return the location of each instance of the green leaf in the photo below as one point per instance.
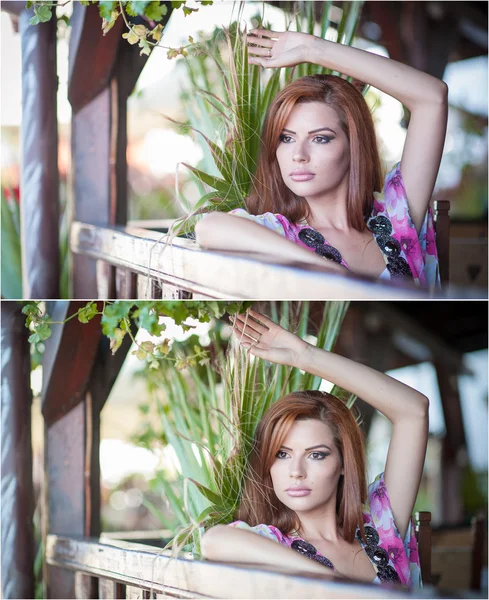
(207, 493)
(43, 13)
(148, 318)
(131, 37)
(87, 313)
(155, 11)
(116, 340)
(114, 313)
(105, 9)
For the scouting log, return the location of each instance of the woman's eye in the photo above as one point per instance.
(285, 138)
(281, 454)
(318, 455)
(322, 139)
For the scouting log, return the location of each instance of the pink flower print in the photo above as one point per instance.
(394, 189)
(396, 555)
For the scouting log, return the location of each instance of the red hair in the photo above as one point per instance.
(259, 503)
(270, 194)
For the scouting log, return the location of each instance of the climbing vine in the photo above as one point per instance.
(147, 34)
(118, 318)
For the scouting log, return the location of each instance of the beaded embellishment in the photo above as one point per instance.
(376, 553)
(381, 229)
(307, 549)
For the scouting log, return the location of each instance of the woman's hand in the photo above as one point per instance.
(275, 49)
(265, 339)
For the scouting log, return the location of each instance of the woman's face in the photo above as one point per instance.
(307, 467)
(314, 152)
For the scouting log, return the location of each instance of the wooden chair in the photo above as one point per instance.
(422, 521)
(449, 551)
(441, 217)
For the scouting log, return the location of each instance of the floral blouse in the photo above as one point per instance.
(395, 560)
(419, 250)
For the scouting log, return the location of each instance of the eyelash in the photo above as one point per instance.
(326, 139)
(322, 455)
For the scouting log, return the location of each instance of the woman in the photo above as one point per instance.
(306, 487)
(318, 177)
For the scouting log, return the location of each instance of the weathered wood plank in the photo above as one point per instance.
(142, 567)
(86, 586)
(231, 275)
(111, 590)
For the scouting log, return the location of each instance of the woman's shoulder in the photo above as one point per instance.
(273, 221)
(268, 531)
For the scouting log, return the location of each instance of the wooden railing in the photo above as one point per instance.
(107, 568)
(139, 263)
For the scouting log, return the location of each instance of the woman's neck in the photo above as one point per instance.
(329, 211)
(320, 524)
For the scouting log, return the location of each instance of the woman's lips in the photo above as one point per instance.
(297, 493)
(301, 176)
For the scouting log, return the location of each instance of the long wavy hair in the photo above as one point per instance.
(259, 503)
(269, 192)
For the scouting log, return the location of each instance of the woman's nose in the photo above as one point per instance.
(296, 469)
(300, 153)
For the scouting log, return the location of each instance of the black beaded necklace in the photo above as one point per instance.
(375, 552)
(381, 229)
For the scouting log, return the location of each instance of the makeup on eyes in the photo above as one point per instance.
(312, 450)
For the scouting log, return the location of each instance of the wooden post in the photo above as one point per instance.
(454, 446)
(40, 177)
(79, 371)
(18, 545)
(103, 71)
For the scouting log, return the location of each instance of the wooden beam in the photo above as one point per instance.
(92, 55)
(39, 175)
(68, 360)
(150, 569)
(17, 529)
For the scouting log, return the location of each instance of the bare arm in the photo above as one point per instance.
(425, 97)
(221, 231)
(229, 544)
(406, 408)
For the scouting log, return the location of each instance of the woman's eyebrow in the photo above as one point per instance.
(313, 131)
(311, 448)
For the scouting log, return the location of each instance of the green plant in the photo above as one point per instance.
(11, 246)
(153, 13)
(228, 96)
(209, 419)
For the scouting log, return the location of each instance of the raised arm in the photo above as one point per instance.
(229, 544)
(425, 97)
(406, 408)
(221, 231)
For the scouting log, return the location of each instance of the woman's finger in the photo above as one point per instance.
(258, 41)
(261, 52)
(249, 321)
(262, 319)
(266, 33)
(250, 335)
